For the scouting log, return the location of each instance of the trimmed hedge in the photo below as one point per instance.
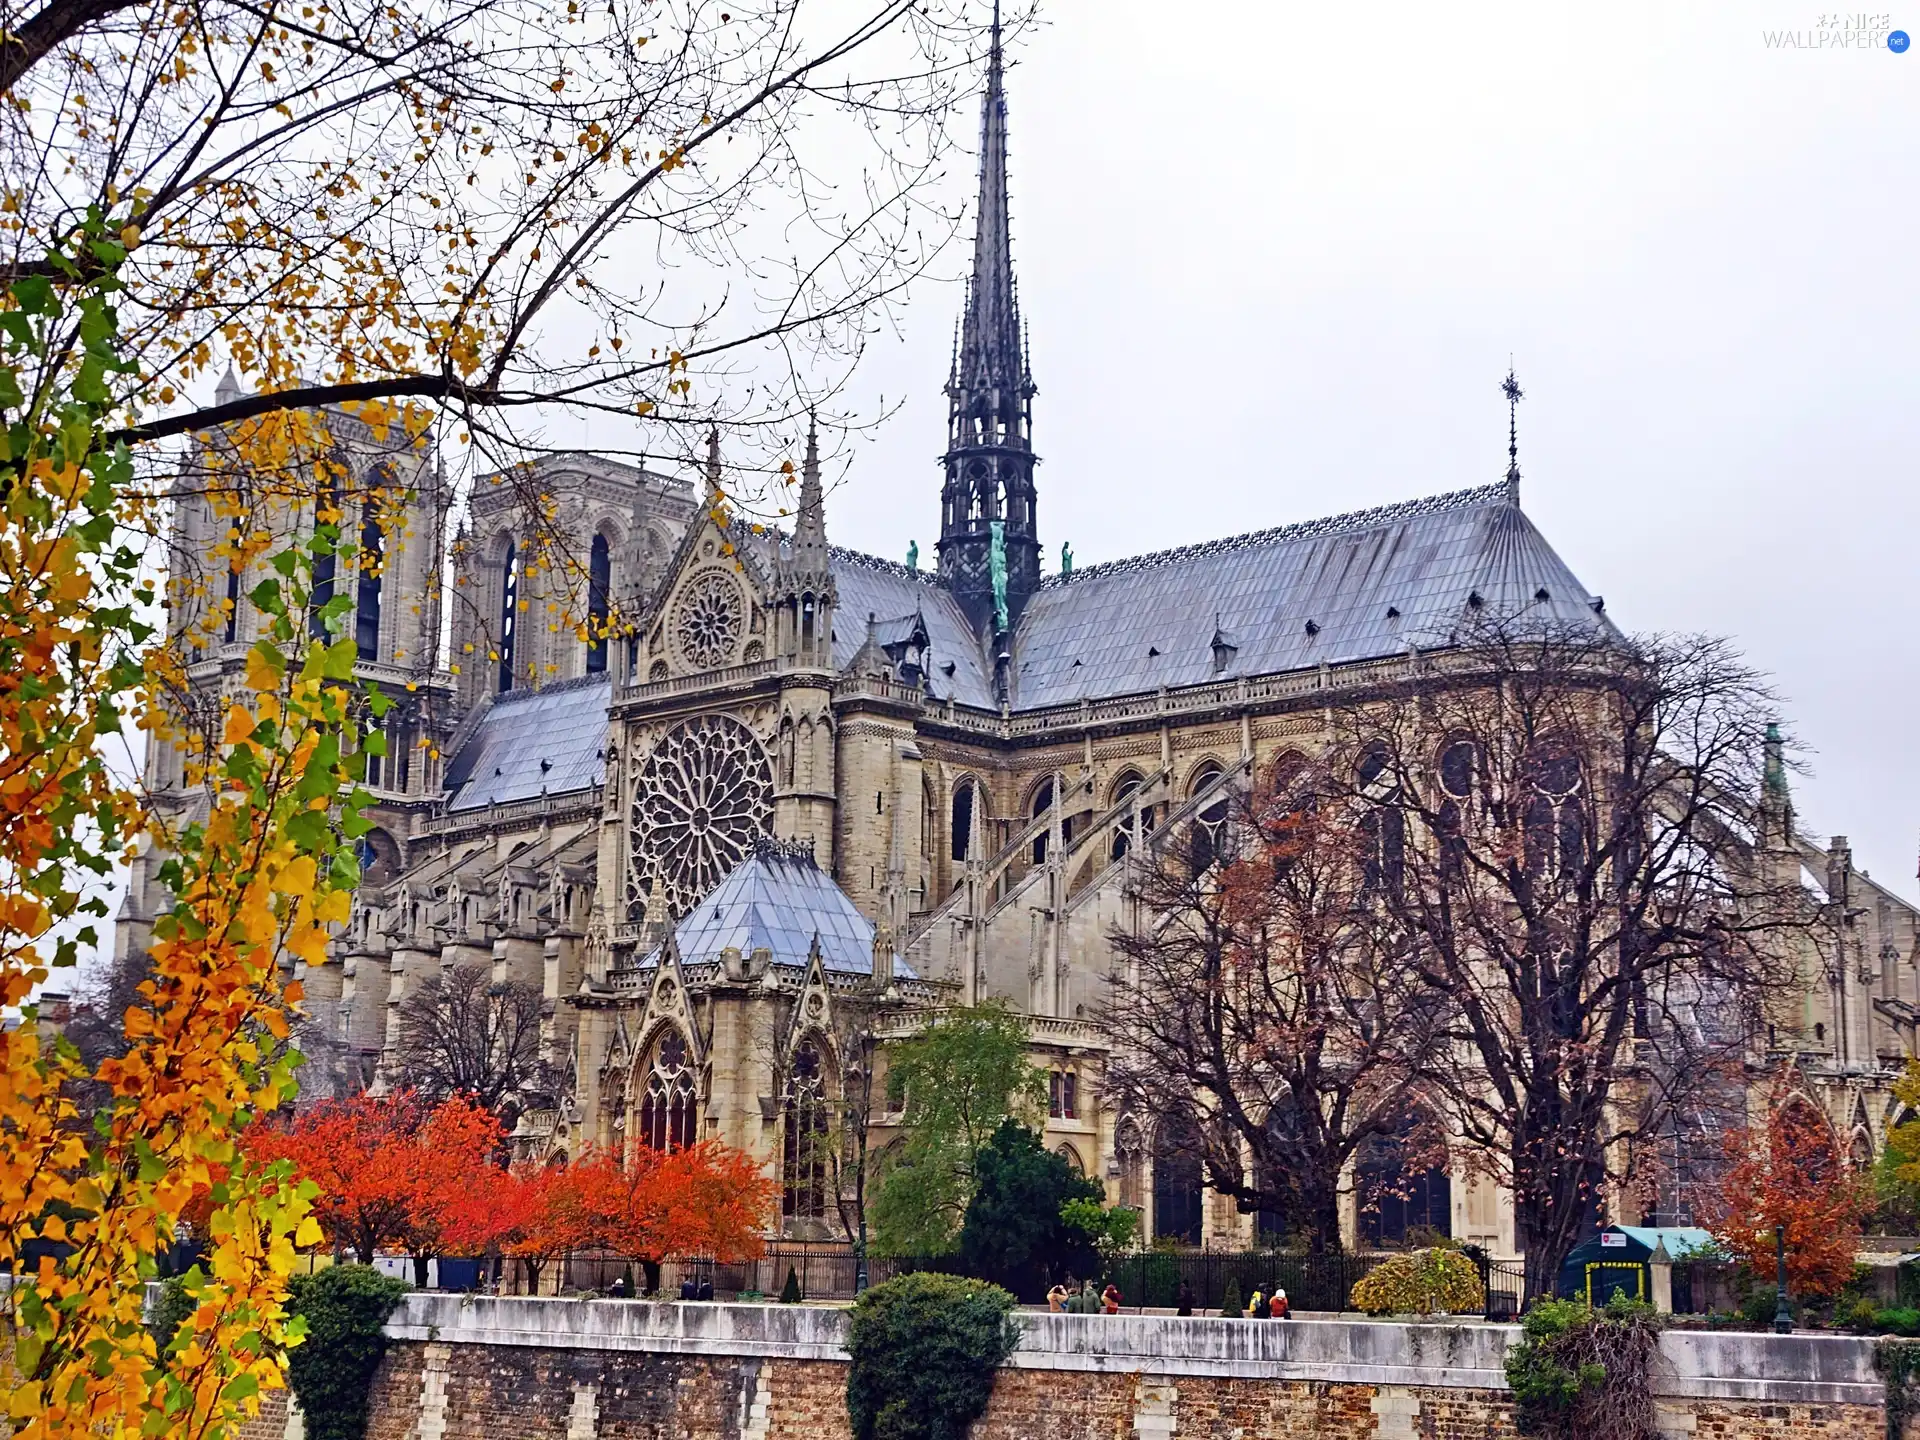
(1421, 1282)
(925, 1348)
(331, 1370)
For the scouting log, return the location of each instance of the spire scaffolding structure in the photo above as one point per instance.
(989, 462)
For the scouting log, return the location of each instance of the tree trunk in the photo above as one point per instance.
(1325, 1236)
(420, 1263)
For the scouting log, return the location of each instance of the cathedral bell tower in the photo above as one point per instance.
(989, 533)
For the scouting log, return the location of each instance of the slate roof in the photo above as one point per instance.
(779, 899)
(1290, 598)
(867, 585)
(533, 742)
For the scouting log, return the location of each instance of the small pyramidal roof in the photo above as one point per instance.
(779, 899)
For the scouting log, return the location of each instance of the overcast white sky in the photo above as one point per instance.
(1275, 256)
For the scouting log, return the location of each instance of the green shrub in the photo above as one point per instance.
(790, 1292)
(1421, 1282)
(1860, 1315)
(1760, 1305)
(175, 1305)
(1231, 1305)
(925, 1348)
(1898, 1321)
(331, 1371)
(1578, 1373)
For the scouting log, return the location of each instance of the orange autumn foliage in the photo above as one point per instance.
(1790, 1171)
(392, 1171)
(706, 1200)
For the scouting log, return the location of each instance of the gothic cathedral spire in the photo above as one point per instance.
(989, 460)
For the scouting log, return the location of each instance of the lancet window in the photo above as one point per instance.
(669, 1104)
(804, 1146)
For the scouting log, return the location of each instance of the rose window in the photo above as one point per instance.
(704, 794)
(707, 621)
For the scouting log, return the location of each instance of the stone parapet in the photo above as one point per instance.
(1757, 1369)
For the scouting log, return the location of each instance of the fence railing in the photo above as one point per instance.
(1153, 1279)
(827, 1270)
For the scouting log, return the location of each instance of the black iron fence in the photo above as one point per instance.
(1152, 1279)
(1505, 1283)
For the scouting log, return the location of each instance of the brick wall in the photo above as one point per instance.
(502, 1391)
(531, 1369)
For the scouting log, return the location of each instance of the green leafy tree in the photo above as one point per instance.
(1111, 1229)
(1016, 1233)
(961, 1076)
(925, 1348)
(1896, 1174)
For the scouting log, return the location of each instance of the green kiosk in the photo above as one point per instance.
(1619, 1258)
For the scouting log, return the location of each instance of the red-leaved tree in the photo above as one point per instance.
(1790, 1171)
(392, 1171)
(708, 1200)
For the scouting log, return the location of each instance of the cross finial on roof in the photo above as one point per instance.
(1510, 387)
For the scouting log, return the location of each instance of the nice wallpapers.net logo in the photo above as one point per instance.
(1861, 33)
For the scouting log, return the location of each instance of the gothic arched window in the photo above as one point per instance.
(1210, 825)
(599, 600)
(669, 1105)
(1123, 827)
(509, 607)
(1399, 1195)
(366, 600)
(1460, 770)
(803, 1167)
(1555, 824)
(233, 599)
(1042, 802)
(962, 829)
(326, 512)
(1383, 827)
(1176, 1180)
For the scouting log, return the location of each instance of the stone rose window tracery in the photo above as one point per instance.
(707, 621)
(703, 796)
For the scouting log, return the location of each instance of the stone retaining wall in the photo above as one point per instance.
(467, 1368)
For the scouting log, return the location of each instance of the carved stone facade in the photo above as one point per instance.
(909, 803)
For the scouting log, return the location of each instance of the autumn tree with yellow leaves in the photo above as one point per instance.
(441, 226)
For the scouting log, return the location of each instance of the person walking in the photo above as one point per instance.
(1257, 1307)
(1183, 1302)
(1277, 1308)
(1057, 1298)
(1110, 1299)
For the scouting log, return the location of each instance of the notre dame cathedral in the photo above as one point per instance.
(812, 793)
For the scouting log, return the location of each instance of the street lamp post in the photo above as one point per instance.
(860, 1260)
(1782, 1313)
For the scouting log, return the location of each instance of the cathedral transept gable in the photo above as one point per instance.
(669, 1007)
